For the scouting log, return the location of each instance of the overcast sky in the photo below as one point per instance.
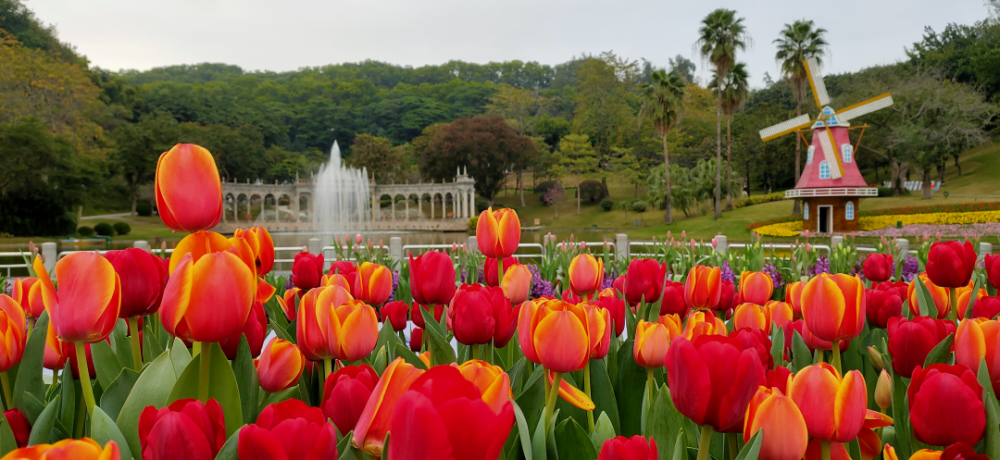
(283, 35)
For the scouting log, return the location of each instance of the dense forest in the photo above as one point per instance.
(72, 134)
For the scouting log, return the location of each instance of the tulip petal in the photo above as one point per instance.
(198, 244)
(823, 307)
(88, 298)
(561, 341)
(188, 189)
(688, 391)
(572, 394)
(850, 406)
(221, 297)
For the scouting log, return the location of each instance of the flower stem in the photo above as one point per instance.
(953, 299)
(203, 373)
(586, 389)
(84, 371)
(706, 442)
(327, 368)
(8, 399)
(500, 272)
(195, 349)
(550, 404)
(78, 424)
(825, 450)
(836, 355)
(731, 437)
(475, 351)
(133, 325)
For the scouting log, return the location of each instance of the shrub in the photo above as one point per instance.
(85, 231)
(639, 206)
(552, 193)
(543, 187)
(121, 228)
(482, 205)
(758, 199)
(143, 208)
(607, 205)
(884, 191)
(104, 229)
(473, 223)
(37, 212)
(592, 191)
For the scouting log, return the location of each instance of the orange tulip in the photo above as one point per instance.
(599, 330)
(793, 297)
(67, 449)
(352, 330)
(337, 279)
(756, 287)
(963, 295)
(288, 301)
(773, 412)
(21, 293)
(12, 324)
(752, 316)
(374, 284)
(833, 306)
(938, 294)
(498, 232)
(262, 246)
(571, 394)
(312, 328)
(778, 312)
(492, 382)
(209, 299)
(555, 334)
(586, 274)
(652, 340)
(86, 306)
(280, 365)
(369, 433)
(517, 284)
(201, 243)
(188, 189)
(834, 408)
(868, 439)
(703, 323)
(703, 287)
(975, 340)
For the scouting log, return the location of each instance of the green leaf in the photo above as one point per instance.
(777, 344)
(29, 373)
(992, 432)
(379, 363)
(752, 449)
(222, 385)
(103, 429)
(122, 344)
(531, 400)
(7, 441)
(41, 431)
(572, 442)
(151, 389)
(665, 423)
(603, 393)
(68, 386)
(603, 431)
(32, 408)
(246, 379)
(899, 414)
(386, 337)
(105, 362)
(180, 357)
(801, 356)
(629, 389)
(441, 350)
(538, 450)
(939, 354)
(151, 346)
(679, 448)
(430, 323)
(404, 352)
(280, 332)
(346, 449)
(972, 298)
(114, 397)
(230, 450)
(924, 300)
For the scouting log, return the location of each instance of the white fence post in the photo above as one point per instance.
(141, 244)
(314, 246)
(621, 245)
(472, 245)
(396, 249)
(904, 247)
(984, 248)
(835, 241)
(50, 254)
(721, 244)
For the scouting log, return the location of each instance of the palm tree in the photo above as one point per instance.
(663, 97)
(721, 35)
(799, 41)
(735, 89)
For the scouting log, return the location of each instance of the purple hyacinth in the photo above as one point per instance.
(288, 283)
(539, 286)
(775, 275)
(727, 272)
(822, 265)
(910, 268)
(395, 284)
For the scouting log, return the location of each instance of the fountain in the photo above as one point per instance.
(342, 200)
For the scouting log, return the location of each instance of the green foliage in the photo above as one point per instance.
(884, 192)
(85, 231)
(143, 208)
(104, 229)
(592, 191)
(639, 206)
(758, 199)
(121, 228)
(578, 155)
(544, 186)
(607, 205)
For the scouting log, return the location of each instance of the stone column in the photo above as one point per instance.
(376, 212)
(432, 205)
(420, 204)
(298, 207)
(407, 215)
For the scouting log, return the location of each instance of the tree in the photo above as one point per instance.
(521, 108)
(138, 147)
(683, 67)
(721, 35)
(735, 90)
(378, 156)
(485, 144)
(663, 97)
(798, 42)
(605, 102)
(579, 157)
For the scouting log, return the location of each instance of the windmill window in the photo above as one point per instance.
(849, 211)
(824, 170)
(805, 211)
(809, 154)
(847, 152)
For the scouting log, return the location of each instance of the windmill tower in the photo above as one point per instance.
(831, 184)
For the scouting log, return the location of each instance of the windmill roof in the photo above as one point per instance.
(815, 174)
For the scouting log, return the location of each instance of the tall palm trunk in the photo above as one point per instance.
(718, 148)
(520, 185)
(796, 206)
(669, 216)
(729, 164)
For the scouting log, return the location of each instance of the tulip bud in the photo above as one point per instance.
(279, 366)
(498, 232)
(876, 359)
(188, 190)
(517, 284)
(586, 274)
(883, 390)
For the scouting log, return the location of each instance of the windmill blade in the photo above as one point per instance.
(865, 107)
(785, 127)
(816, 82)
(830, 154)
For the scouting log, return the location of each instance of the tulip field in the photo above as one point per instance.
(682, 353)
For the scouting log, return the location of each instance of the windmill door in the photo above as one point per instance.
(825, 218)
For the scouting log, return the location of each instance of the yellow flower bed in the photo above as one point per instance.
(790, 229)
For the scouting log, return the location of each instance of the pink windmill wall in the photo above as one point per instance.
(810, 175)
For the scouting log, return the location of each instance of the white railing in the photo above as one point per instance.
(832, 191)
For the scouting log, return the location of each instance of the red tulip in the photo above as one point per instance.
(703, 287)
(374, 284)
(307, 270)
(946, 405)
(756, 287)
(910, 341)
(615, 306)
(986, 307)
(394, 314)
(882, 305)
(345, 394)
(342, 267)
(19, 425)
(777, 378)
(833, 306)
(86, 306)
(432, 278)
(280, 366)
(619, 284)
(757, 340)
(187, 428)
(498, 233)
(188, 189)
(878, 267)
(713, 379)
(416, 339)
(834, 407)
(254, 329)
(586, 273)
(490, 273)
(838, 451)
(208, 300)
(673, 302)
(444, 402)
(373, 424)
(478, 315)
(143, 277)
(288, 430)
(634, 448)
(69, 351)
(950, 263)
(643, 281)
(418, 318)
(993, 270)
(288, 301)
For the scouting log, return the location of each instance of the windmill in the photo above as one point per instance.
(834, 183)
